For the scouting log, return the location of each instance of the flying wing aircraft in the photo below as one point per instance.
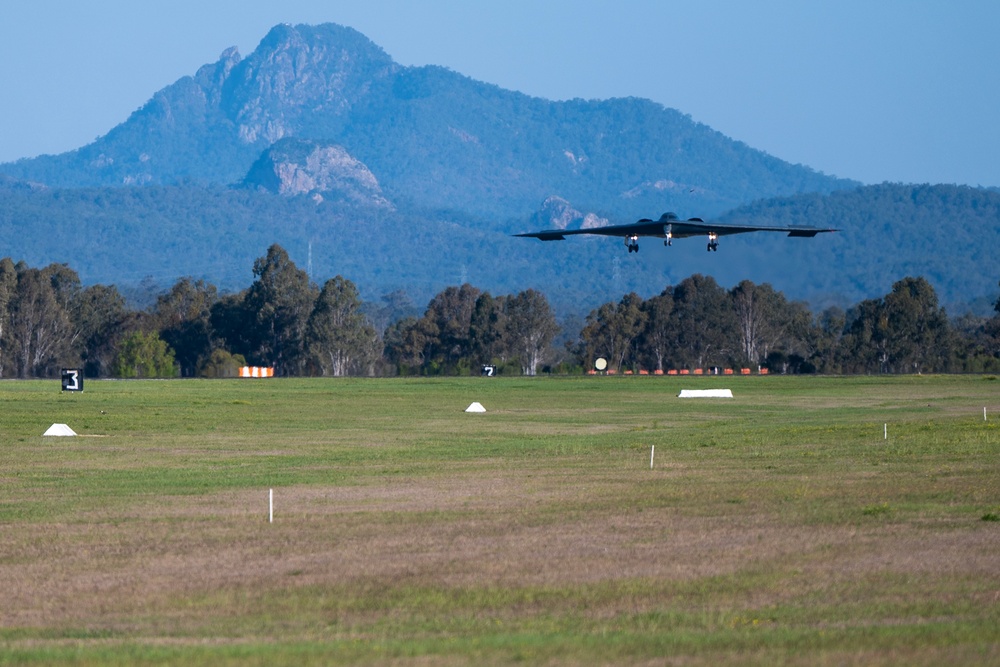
(670, 227)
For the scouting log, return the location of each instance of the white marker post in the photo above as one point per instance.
(652, 452)
(886, 429)
(270, 506)
(984, 414)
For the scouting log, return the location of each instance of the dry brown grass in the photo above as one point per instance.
(460, 530)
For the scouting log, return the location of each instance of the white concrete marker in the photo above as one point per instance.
(59, 429)
(652, 452)
(270, 506)
(476, 407)
(705, 393)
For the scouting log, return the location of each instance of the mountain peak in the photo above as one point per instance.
(433, 137)
(298, 73)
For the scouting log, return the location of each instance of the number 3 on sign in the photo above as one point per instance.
(72, 379)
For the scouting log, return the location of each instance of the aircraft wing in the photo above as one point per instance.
(640, 228)
(688, 228)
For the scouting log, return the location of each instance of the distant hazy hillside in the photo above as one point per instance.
(431, 137)
(948, 234)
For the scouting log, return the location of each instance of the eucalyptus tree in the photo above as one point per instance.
(756, 314)
(612, 331)
(183, 318)
(531, 326)
(827, 339)
(103, 318)
(865, 347)
(407, 344)
(488, 331)
(918, 330)
(42, 332)
(233, 326)
(8, 290)
(338, 336)
(658, 338)
(705, 322)
(449, 314)
(280, 301)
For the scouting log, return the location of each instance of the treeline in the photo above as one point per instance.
(49, 321)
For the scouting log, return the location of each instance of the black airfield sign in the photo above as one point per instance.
(72, 379)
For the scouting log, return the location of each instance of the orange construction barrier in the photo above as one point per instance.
(256, 372)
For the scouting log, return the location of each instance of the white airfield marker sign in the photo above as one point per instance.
(59, 429)
(705, 393)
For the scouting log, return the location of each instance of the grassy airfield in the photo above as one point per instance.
(780, 527)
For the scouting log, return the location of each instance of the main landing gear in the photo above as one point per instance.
(632, 243)
(713, 243)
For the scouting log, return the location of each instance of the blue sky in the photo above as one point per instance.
(892, 90)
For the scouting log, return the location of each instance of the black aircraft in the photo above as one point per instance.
(670, 227)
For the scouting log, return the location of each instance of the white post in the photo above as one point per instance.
(652, 452)
(270, 506)
(984, 413)
(886, 429)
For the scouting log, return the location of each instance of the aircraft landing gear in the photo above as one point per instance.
(632, 243)
(713, 243)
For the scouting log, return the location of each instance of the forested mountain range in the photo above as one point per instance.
(948, 234)
(414, 178)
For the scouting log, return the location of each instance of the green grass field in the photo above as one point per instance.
(780, 527)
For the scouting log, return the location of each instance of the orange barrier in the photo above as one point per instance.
(256, 372)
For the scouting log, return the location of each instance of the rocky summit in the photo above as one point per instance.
(428, 136)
